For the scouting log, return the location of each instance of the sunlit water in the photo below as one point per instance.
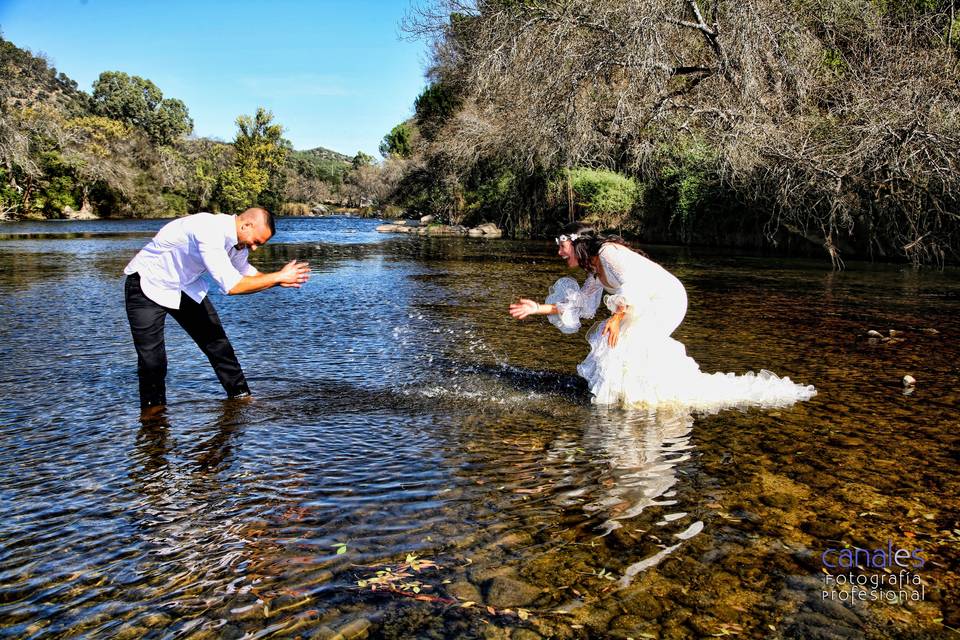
(400, 412)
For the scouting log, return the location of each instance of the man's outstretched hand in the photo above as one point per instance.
(294, 274)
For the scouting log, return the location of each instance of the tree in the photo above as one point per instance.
(435, 106)
(833, 120)
(140, 103)
(169, 122)
(94, 153)
(361, 160)
(398, 141)
(256, 176)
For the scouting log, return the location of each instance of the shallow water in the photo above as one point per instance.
(400, 412)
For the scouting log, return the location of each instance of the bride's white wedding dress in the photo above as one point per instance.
(647, 367)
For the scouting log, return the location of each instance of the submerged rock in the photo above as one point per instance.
(779, 500)
(353, 630)
(506, 593)
(464, 591)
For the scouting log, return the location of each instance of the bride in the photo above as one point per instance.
(633, 360)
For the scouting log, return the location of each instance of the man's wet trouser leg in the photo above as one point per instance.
(203, 324)
(146, 324)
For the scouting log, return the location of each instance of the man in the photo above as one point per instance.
(165, 278)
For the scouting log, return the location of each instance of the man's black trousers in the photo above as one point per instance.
(200, 321)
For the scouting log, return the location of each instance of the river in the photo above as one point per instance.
(416, 464)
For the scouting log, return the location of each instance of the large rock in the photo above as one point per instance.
(388, 228)
(427, 219)
(319, 210)
(446, 230)
(474, 233)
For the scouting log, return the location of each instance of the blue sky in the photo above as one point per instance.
(334, 73)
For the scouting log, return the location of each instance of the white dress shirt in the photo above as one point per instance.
(185, 249)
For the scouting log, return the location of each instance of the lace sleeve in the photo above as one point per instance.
(590, 295)
(633, 285)
(573, 302)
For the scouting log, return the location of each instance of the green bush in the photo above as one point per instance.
(10, 198)
(602, 197)
(687, 177)
(56, 195)
(175, 205)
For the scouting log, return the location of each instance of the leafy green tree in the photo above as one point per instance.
(434, 106)
(256, 176)
(170, 121)
(398, 141)
(140, 103)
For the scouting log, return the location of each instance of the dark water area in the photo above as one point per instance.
(416, 464)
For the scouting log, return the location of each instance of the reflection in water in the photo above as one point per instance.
(639, 454)
(642, 450)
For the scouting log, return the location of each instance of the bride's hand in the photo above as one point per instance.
(612, 329)
(523, 308)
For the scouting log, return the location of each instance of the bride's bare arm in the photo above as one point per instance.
(525, 307)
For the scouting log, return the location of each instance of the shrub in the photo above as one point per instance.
(295, 209)
(604, 198)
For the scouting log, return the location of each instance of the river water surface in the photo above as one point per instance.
(416, 464)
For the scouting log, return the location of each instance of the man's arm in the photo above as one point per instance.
(294, 274)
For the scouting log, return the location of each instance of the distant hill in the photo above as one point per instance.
(322, 153)
(27, 79)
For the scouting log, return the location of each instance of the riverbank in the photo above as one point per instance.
(746, 236)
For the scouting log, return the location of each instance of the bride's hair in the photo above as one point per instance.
(590, 241)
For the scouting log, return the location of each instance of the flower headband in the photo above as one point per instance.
(571, 238)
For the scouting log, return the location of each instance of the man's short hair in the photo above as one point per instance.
(270, 222)
(266, 216)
